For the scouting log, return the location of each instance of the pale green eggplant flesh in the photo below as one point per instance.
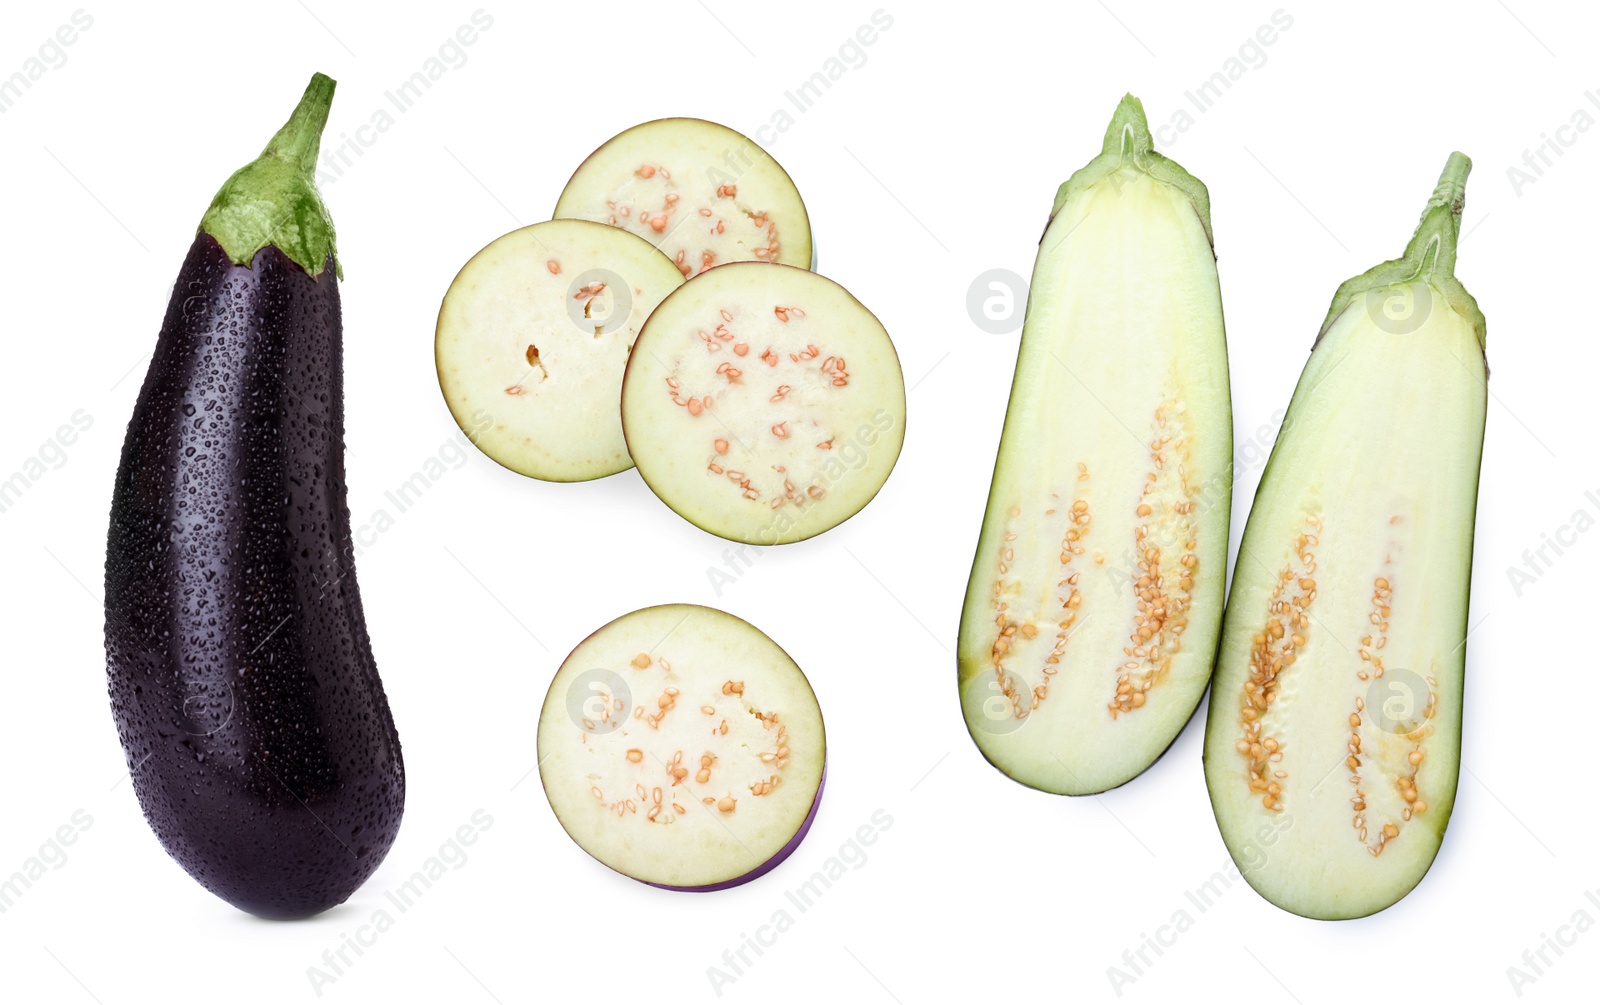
(1096, 592)
(1334, 737)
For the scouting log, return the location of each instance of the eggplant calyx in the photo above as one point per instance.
(273, 200)
(1129, 147)
(1430, 256)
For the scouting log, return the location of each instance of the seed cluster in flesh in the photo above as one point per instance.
(726, 766)
(1405, 779)
(1276, 647)
(697, 226)
(1164, 543)
(1164, 578)
(747, 372)
(585, 295)
(1067, 593)
(1272, 651)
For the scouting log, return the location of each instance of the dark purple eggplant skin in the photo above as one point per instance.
(258, 736)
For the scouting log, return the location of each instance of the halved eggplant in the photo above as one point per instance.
(701, 192)
(764, 403)
(1336, 712)
(532, 339)
(680, 746)
(1092, 610)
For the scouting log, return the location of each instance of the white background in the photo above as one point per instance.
(930, 163)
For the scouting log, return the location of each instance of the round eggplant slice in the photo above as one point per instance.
(680, 746)
(764, 404)
(532, 340)
(703, 193)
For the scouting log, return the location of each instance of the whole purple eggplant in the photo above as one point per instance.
(257, 732)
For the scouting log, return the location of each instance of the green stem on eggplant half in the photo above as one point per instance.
(1430, 257)
(1129, 146)
(273, 200)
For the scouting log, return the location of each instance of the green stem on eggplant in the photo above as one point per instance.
(1430, 256)
(1129, 146)
(273, 200)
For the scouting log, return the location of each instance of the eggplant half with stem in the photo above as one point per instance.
(1336, 710)
(1097, 588)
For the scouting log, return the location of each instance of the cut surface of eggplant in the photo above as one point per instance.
(1335, 715)
(701, 192)
(532, 340)
(680, 746)
(764, 403)
(1097, 588)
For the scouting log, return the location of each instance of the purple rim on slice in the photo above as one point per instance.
(682, 747)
